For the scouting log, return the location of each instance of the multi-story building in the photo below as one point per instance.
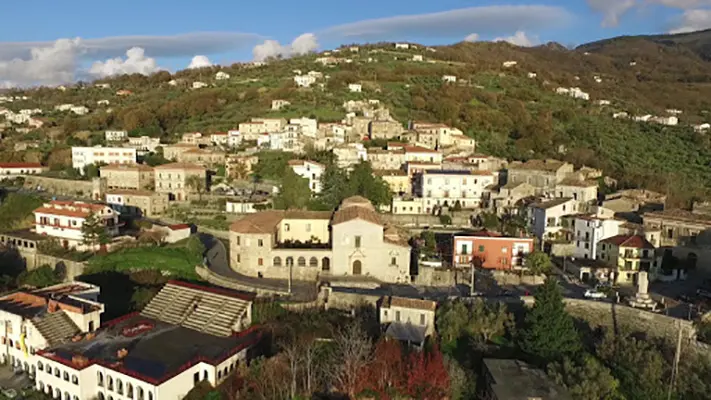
(195, 138)
(543, 175)
(408, 320)
(176, 180)
(310, 170)
(173, 152)
(202, 157)
(508, 199)
(397, 179)
(677, 227)
(115, 136)
(421, 154)
(584, 192)
(252, 130)
(352, 241)
(386, 159)
(304, 80)
(18, 169)
(186, 334)
(491, 250)
(385, 129)
(63, 220)
(128, 176)
(547, 217)
(144, 144)
(591, 229)
(348, 155)
(83, 156)
(408, 206)
(447, 188)
(33, 320)
(628, 254)
(219, 138)
(137, 202)
(307, 126)
(441, 134)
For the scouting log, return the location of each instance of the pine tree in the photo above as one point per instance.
(94, 231)
(549, 333)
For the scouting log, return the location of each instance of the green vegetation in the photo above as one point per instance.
(178, 260)
(538, 263)
(40, 277)
(16, 211)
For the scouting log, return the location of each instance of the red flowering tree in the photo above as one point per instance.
(386, 374)
(427, 376)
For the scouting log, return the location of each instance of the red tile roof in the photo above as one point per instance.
(634, 241)
(20, 165)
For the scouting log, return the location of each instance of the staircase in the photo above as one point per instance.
(196, 309)
(56, 327)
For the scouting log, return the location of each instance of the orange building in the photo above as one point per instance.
(490, 250)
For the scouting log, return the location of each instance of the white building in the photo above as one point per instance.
(103, 102)
(448, 187)
(355, 87)
(199, 85)
(307, 126)
(83, 156)
(310, 170)
(304, 80)
(573, 92)
(408, 320)
(221, 76)
(115, 136)
(279, 104)
(79, 110)
(702, 127)
(19, 169)
(532, 75)
(33, 320)
(144, 144)
(63, 220)
(509, 64)
(603, 102)
(350, 154)
(417, 57)
(354, 49)
(234, 138)
(449, 78)
(186, 334)
(63, 107)
(589, 230)
(547, 216)
(315, 74)
(403, 46)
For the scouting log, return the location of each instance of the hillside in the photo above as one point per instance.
(699, 42)
(510, 114)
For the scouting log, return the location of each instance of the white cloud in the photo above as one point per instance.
(519, 39)
(136, 62)
(490, 20)
(303, 44)
(693, 20)
(472, 37)
(611, 10)
(199, 62)
(45, 65)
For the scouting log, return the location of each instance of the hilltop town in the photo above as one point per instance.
(388, 220)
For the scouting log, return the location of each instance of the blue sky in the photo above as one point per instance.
(171, 33)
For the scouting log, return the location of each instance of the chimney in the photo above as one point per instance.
(80, 361)
(121, 353)
(52, 306)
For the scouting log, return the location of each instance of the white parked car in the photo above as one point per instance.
(594, 294)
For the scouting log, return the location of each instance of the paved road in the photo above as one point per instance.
(217, 261)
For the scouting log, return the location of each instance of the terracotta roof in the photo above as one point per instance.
(417, 304)
(78, 210)
(180, 165)
(679, 215)
(539, 165)
(177, 227)
(419, 149)
(390, 172)
(20, 165)
(356, 207)
(128, 167)
(267, 221)
(577, 183)
(303, 162)
(131, 192)
(634, 241)
(551, 203)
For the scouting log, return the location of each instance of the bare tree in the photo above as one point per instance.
(293, 350)
(352, 354)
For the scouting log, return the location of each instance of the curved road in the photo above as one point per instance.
(217, 260)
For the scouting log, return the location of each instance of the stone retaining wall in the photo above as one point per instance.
(219, 280)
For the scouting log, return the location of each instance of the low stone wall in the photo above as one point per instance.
(439, 277)
(33, 260)
(460, 220)
(63, 187)
(219, 280)
(562, 249)
(508, 278)
(347, 300)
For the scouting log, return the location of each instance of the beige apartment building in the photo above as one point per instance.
(173, 151)
(174, 179)
(138, 202)
(352, 241)
(202, 157)
(397, 179)
(128, 176)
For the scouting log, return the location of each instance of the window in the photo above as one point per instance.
(119, 386)
(109, 383)
(56, 373)
(465, 249)
(260, 262)
(287, 227)
(196, 377)
(66, 376)
(301, 262)
(397, 316)
(505, 250)
(481, 249)
(239, 258)
(357, 242)
(313, 262)
(277, 261)
(100, 379)
(308, 227)
(40, 366)
(422, 319)
(393, 260)
(239, 239)
(75, 380)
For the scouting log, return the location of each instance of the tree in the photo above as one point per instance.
(387, 371)
(427, 377)
(549, 333)
(94, 231)
(430, 241)
(452, 318)
(487, 321)
(352, 354)
(196, 183)
(363, 182)
(39, 277)
(586, 379)
(538, 263)
(294, 192)
(489, 221)
(334, 187)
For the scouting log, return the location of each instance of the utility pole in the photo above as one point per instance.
(7, 342)
(291, 268)
(675, 367)
(471, 288)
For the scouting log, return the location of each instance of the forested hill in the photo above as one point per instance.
(511, 113)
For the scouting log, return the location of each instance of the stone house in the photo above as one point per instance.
(127, 176)
(174, 179)
(385, 129)
(350, 242)
(386, 159)
(408, 320)
(543, 175)
(584, 192)
(202, 157)
(172, 152)
(677, 227)
(140, 203)
(508, 198)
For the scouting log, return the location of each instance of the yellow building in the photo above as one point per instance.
(128, 176)
(175, 180)
(628, 254)
(397, 179)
